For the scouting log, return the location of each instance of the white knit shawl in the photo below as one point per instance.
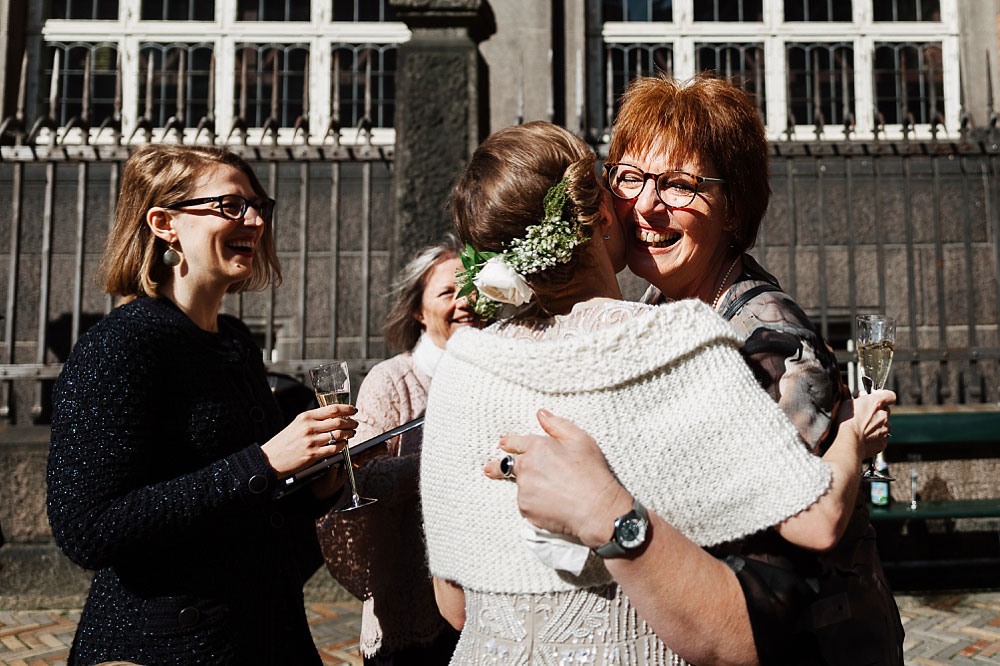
(666, 394)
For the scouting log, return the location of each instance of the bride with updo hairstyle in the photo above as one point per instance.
(663, 391)
(501, 193)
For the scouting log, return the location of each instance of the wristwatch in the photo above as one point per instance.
(629, 535)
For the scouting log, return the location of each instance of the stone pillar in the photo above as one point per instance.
(441, 102)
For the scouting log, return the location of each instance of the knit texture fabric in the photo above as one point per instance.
(666, 394)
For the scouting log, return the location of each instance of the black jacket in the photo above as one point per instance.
(157, 481)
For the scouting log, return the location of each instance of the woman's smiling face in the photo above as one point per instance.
(677, 250)
(442, 311)
(216, 249)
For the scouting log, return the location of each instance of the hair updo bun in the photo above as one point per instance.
(501, 191)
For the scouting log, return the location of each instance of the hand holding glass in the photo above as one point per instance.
(332, 384)
(876, 337)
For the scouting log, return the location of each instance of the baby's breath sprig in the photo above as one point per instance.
(551, 241)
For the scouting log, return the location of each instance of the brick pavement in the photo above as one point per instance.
(951, 629)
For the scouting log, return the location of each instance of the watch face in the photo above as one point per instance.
(631, 532)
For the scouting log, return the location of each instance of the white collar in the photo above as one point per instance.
(426, 354)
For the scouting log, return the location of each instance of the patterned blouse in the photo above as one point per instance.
(831, 608)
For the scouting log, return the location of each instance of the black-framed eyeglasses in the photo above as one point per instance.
(676, 189)
(233, 206)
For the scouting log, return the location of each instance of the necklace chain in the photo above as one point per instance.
(725, 279)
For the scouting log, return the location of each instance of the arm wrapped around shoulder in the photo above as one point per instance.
(678, 415)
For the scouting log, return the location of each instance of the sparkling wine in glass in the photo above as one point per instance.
(876, 337)
(332, 384)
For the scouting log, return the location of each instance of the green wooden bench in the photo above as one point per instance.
(943, 432)
(961, 508)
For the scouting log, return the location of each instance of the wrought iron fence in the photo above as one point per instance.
(57, 202)
(909, 228)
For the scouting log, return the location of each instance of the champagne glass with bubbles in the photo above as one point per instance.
(332, 384)
(876, 337)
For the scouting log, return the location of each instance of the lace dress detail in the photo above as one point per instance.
(587, 626)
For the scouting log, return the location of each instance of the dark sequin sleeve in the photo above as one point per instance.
(105, 494)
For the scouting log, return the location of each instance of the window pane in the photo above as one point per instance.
(177, 10)
(743, 64)
(663, 10)
(275, 82)
(368, 11)
(352, 66)
(637, 10)
(104, 10)
(820, 82)
(362, 10)
(343, 10)
(909, 82)
(728, 10)
(103, 72)
(166, 61)
(624, 62)
(906, 10)
(272, 10)
(612, 10)
(818, 10)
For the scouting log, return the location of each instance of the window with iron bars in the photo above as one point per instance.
(272, 10)
(908, 41)
(906, 10)
(363, 10)
(624, 62)
(101, 10)
(270, 79)
(741, 11)
(909, 82)
(818, 10)
(820, 81)
(363, 84)
(73, 62)
(189, 64)
(177, 10)
(637, 10)
(743, 64)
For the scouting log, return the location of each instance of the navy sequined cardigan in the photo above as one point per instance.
(156, 480)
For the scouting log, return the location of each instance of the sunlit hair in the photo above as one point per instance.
(160, 175)
(501, 191)
(705, 120)
(402, 330)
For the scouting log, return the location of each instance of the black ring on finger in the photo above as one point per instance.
(507, 466)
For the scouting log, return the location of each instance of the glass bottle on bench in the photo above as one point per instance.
(880, 489)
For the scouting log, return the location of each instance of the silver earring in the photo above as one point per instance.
(606, 237)
(171, 257)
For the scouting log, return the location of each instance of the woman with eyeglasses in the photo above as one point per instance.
(167, 441)
(688, 167)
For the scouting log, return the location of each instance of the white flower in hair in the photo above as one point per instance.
(498, 281)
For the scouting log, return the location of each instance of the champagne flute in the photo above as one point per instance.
(332, 384)
(876, 337)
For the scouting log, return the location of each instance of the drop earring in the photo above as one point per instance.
(607, 237)
(171, 257)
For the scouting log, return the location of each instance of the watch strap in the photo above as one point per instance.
(614, 549)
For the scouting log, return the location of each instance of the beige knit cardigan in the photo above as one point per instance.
(666, 394)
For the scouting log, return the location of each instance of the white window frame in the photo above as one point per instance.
(321, 33)
(683, 33)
